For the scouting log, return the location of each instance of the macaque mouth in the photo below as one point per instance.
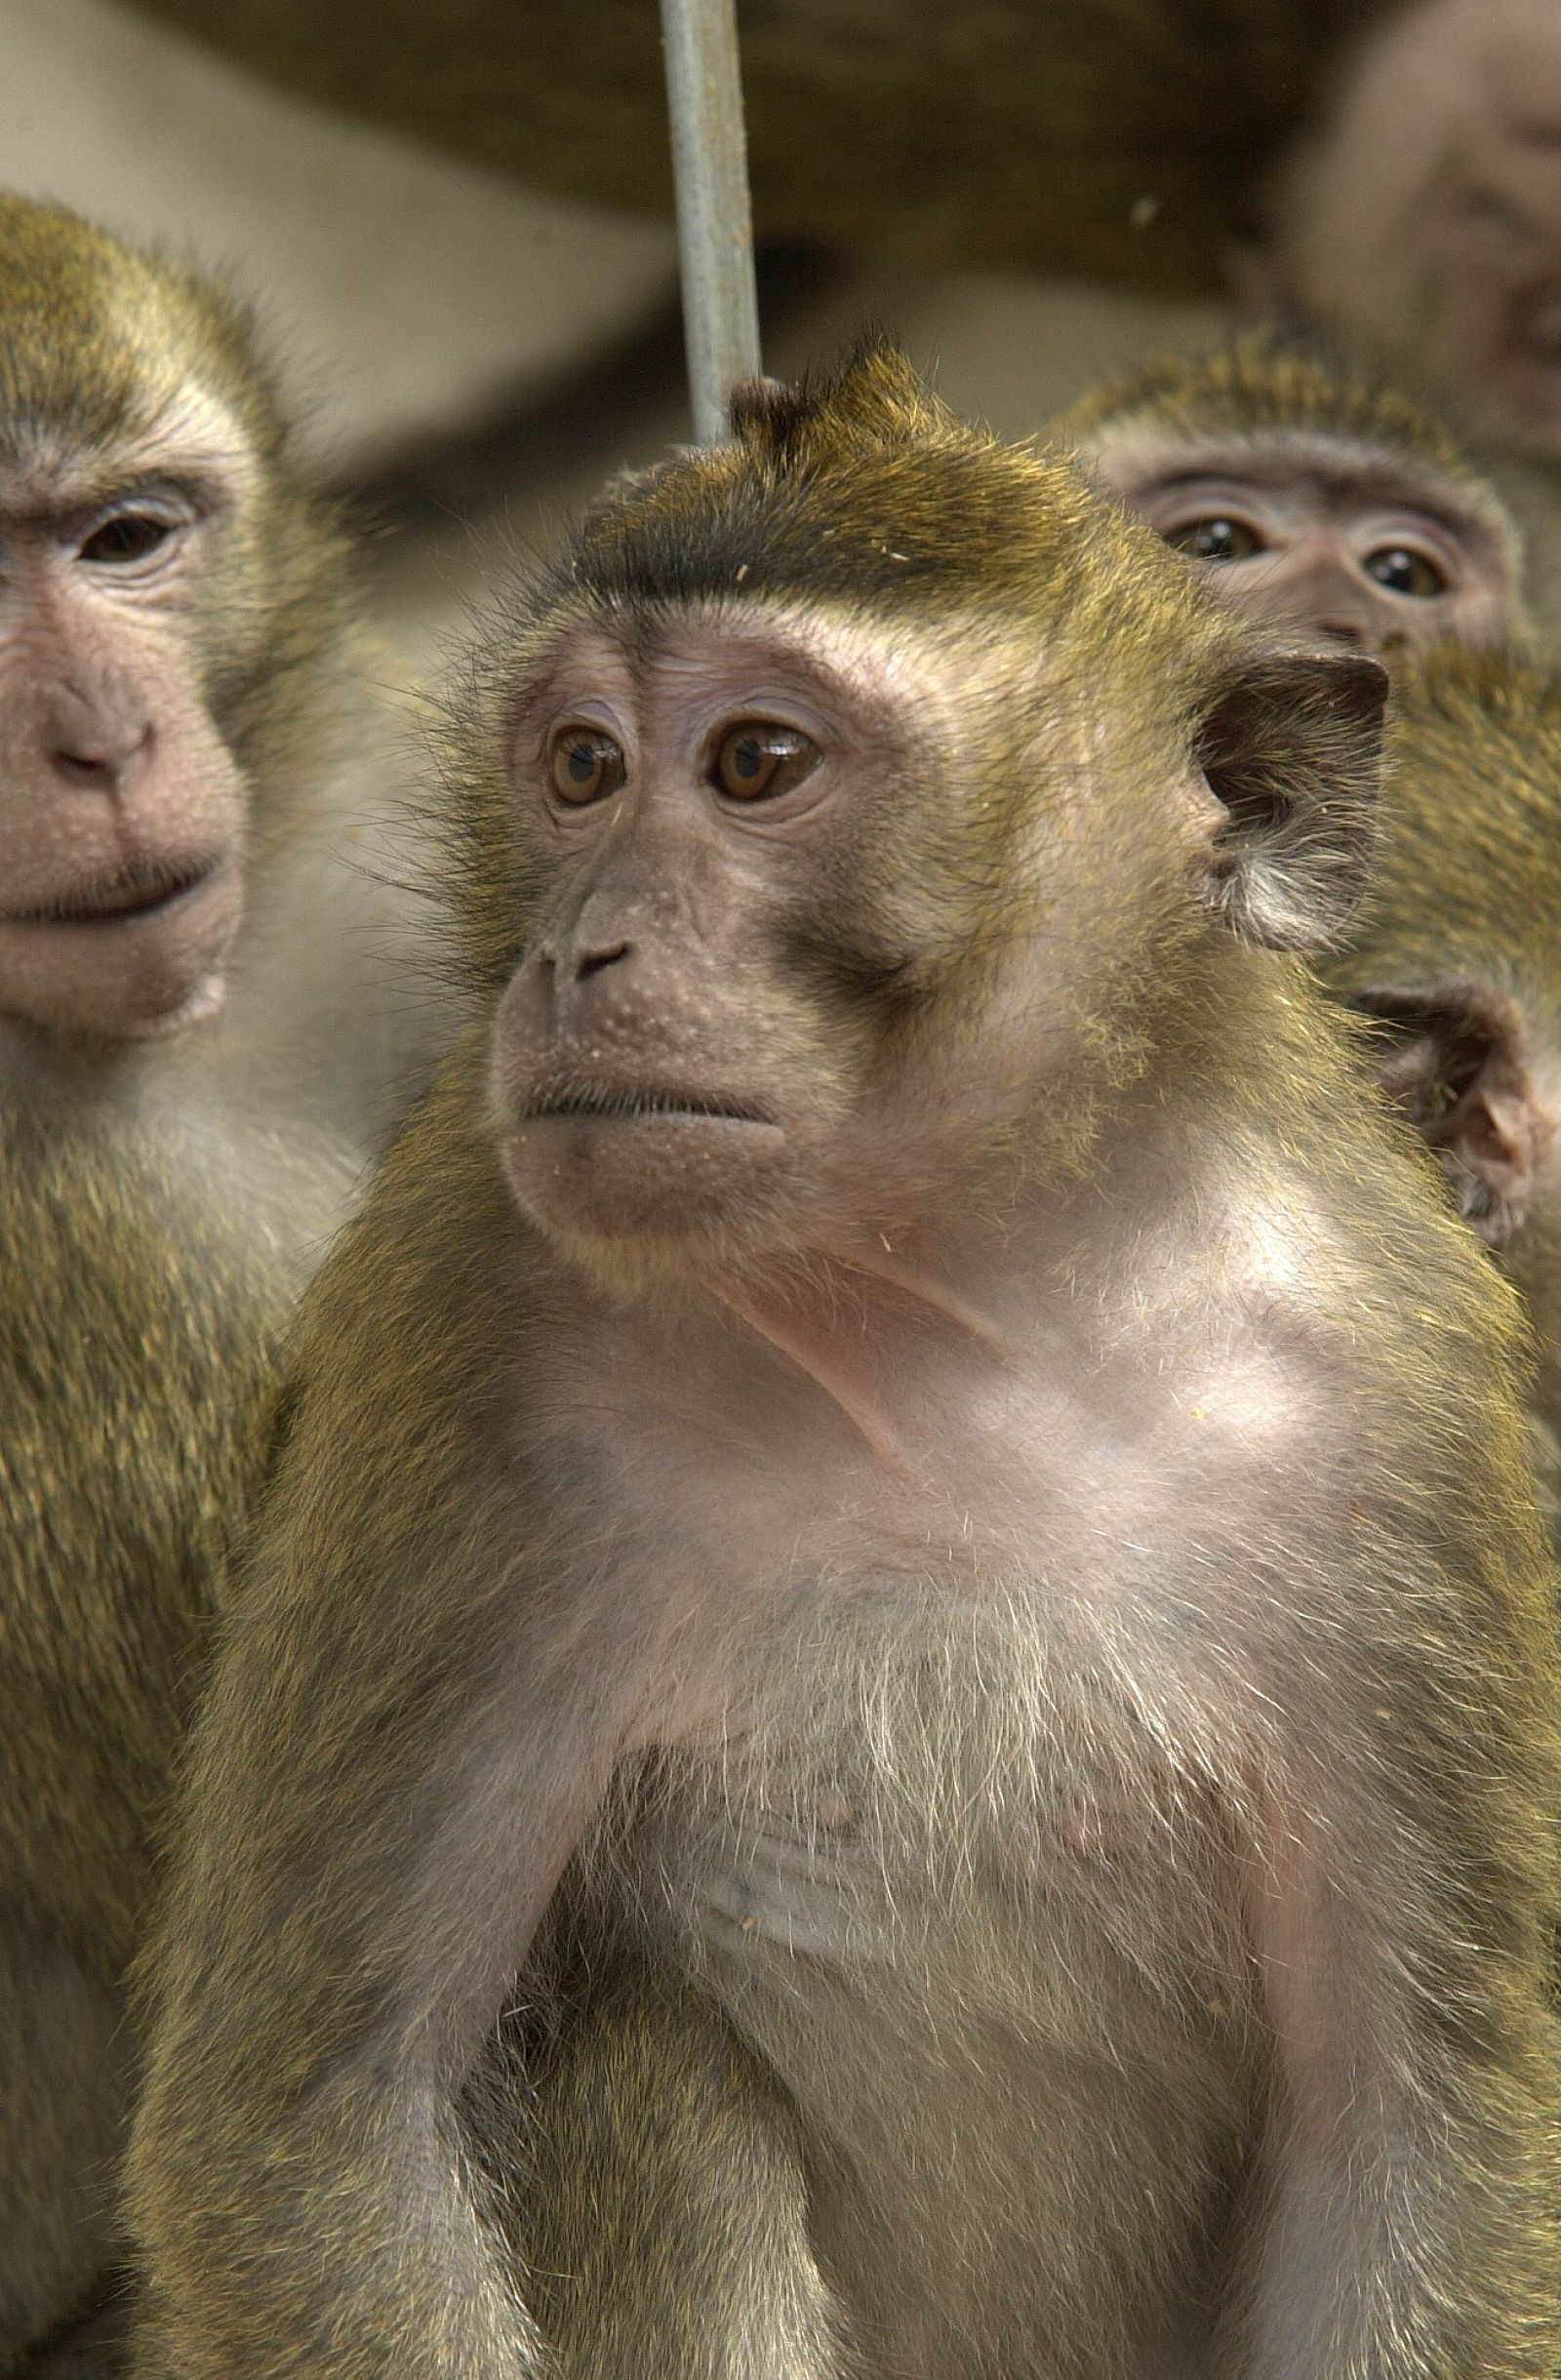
(144, 889)
(627, 1107)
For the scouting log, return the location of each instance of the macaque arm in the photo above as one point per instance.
(386, 1784)
(661, 2189)
(1404, 2218)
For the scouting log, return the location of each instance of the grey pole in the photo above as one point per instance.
(714, 221)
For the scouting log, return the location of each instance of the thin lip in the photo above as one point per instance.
(124, 898)
(603, 1106)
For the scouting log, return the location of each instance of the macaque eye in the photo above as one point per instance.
(587, 765)
(1220, 539)
(128, 537)
(757, 761)
(1404, 572)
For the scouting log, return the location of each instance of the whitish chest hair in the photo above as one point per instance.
(942, 1561)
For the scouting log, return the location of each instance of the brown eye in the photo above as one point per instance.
(128, 538)
(587, 764)
(758, 761)
(1404, 572)
(1220, 539)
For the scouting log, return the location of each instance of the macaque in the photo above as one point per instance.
(190, 1087)
(901, 1466)
(1312, 497)
(1456, 959)
(1422, 217)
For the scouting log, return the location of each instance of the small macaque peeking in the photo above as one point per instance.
(197, 1044)
(902, 1588)
(1316, 497)
(1455, 957)
(1423, 220)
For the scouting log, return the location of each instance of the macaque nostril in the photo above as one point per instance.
(82, 769)
(100, 759)
(591, 962)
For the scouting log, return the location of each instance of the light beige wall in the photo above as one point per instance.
(408, 287)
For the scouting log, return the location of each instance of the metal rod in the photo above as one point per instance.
(714, 219)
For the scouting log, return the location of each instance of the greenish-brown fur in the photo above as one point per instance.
(1467, 878)
(137, 1338)
(647, 2175)
(1467, 891)
(1266, 381)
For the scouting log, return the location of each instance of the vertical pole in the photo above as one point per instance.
(714, 221)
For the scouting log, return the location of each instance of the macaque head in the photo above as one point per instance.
(831, 826)
(161, 587)
(1423, 221)
(1454, 957)
(1309, 496)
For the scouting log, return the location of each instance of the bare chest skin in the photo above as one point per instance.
(970, 1736)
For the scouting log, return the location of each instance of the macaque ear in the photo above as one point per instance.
(1291, 748)
(1454, 1055)
(874, 400)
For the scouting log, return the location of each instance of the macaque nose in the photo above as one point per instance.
(92, 740)
(1311, 590)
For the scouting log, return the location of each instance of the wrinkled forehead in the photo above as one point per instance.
(78, 454)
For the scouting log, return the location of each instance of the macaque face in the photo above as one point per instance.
(121, 807)
(818, 922)
(760, 857)
(1425, 221)
(1331, 551)
(661, 1062)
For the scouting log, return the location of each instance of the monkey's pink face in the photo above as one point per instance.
(121, 808)
(1328, 539)
(687, 1045)
(823, 922)
(1427, 223)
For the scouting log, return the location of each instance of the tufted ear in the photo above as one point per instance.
(1454, 1055)
(1291, 746)
(874, 399)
